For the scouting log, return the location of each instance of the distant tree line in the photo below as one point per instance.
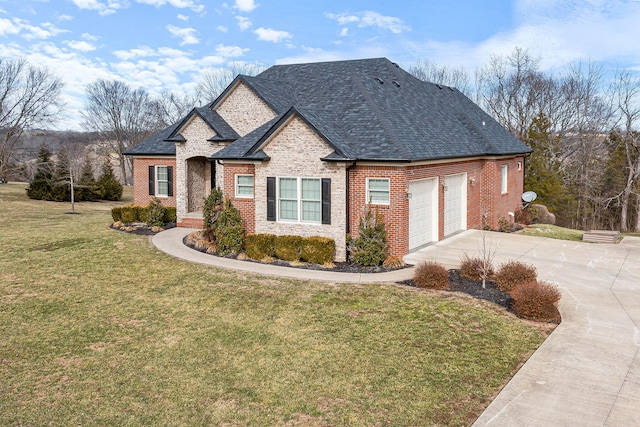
(56, 180)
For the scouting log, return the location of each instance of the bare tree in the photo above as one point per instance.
(168, 108)
(214, 81)
(514, 91)
(29, 97)
(584, 133)
(626, 93)
(428, 71)
(122, 115)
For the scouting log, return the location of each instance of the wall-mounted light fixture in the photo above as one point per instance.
(472, 181)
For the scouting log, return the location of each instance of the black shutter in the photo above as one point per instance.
(170, 181)
(326, 200)
(152, 181)
(213, 174)
(271, 198)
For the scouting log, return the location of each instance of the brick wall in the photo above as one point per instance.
(244, 111)
(246, 206)
(141, 165)
(485, 203)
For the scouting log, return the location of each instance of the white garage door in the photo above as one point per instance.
(423, 212)
(455, 203)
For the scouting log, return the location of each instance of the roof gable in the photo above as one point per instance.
(223, 131)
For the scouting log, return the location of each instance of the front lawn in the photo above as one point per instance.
(99, 328)
(553, 232)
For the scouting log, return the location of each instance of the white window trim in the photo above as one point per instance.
(504, 179)
(237, 186)
(158, 181)
(368, 194)
(299, 199)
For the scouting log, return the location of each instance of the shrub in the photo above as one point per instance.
(229, 230)
(431, 275)
(370, 247)
(504, 225)
(541, 215)
(288, 248)
(536, 300)
(129, 214)
(155, 212)
(116, 214)
(522, 216)
(260, 246)
(213, 205)
(393, 262)
(170, 214)
(513, 273)
(317, 250)
(142, 213)
(473, 268)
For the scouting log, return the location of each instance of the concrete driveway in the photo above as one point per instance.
(587, 373)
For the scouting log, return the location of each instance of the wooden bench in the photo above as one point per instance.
(601, 236)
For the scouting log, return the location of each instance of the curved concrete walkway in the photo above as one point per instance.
(587, 373)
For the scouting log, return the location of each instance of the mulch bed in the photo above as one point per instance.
(142, 229)
(490, 292)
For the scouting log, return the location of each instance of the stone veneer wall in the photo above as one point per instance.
(244, 111)
(296, 151)
(196, 133)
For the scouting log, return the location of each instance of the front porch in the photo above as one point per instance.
(192, 220)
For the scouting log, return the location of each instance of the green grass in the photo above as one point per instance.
(553, 232)
(97, 328)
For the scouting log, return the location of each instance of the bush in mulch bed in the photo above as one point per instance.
(491, 293)
(191, 241)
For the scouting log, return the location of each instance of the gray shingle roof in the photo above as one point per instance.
(157, 145)
(366, 110)
(373, 110)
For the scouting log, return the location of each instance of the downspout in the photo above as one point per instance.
(348, 197)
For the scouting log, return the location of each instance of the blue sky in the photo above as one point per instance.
(166, 44)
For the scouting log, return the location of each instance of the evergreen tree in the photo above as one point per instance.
(61, 184)
(109, 187)
(543, 171)
(40, 186)
(87, 185)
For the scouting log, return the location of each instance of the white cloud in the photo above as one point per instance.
(230, 51)
(560, 32)
(182, 17)
(103, 8)
(271, 35)
(245, 5)
(140, 52)
(344, 32)
(186, 34)
(194, 5)
(8, 27)
(371, 19)
(222, 28)
(28, 31)
(82, 46)
(65, 18)
(243, 22)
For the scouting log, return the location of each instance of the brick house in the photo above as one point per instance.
(301, 149)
